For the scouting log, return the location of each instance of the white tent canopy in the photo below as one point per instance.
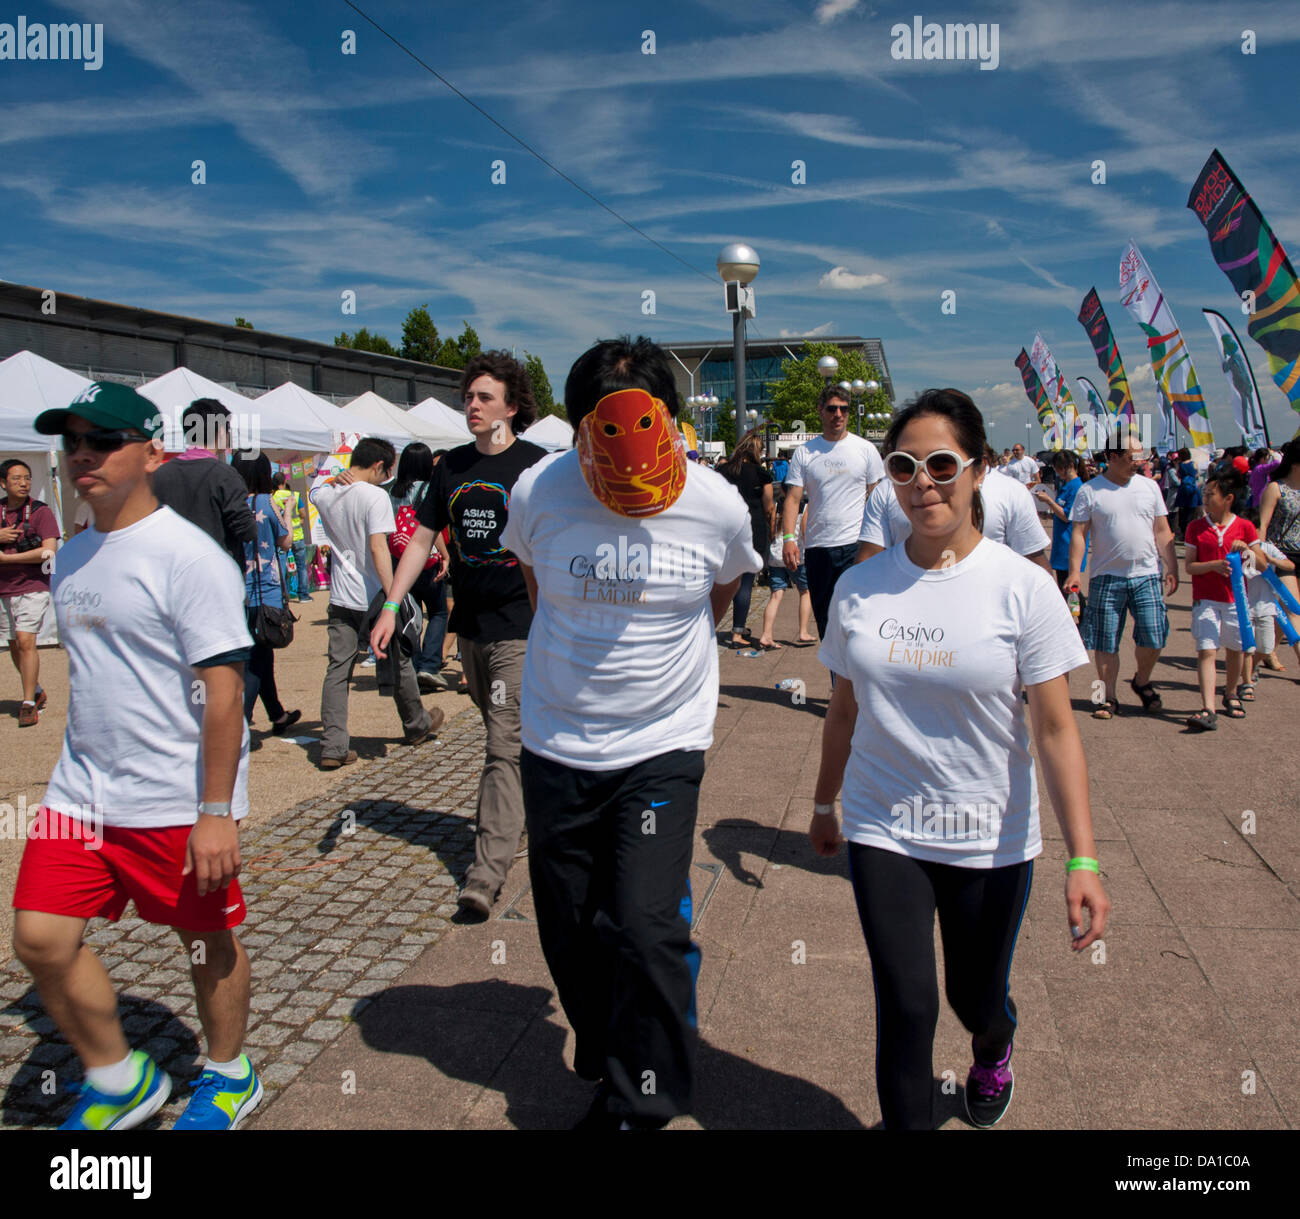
(380, 414)
(282, 425)
(451, 424)
(30, 384)
(550, 432)
(293, 397)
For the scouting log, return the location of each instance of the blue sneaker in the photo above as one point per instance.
(219, 1102)
(105, 1111)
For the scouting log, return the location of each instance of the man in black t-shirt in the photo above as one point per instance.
(469, 494)
(202, 487)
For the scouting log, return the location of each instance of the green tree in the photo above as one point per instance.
(420, 336)
(243, 323)
(795, 395)
(458, 353)
(541, 387)
(363, 340)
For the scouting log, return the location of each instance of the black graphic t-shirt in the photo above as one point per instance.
(470, 494)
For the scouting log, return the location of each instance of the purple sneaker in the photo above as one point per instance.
(988, 1090)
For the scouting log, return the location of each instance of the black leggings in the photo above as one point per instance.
(979, 918)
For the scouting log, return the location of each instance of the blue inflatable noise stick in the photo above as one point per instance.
(1285, 601)
(1244, 627)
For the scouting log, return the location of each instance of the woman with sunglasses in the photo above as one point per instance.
(933, 641)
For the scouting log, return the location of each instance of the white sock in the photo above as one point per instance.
(117, 1078)
(237, 1068)
(29, 702)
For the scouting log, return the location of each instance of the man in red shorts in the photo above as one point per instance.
(153, 777)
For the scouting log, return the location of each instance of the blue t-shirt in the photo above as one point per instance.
(262, 558)
(1062, 529)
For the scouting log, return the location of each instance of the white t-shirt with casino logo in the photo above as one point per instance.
(137, 609)
(836, 476)
(622, 664)
(940, 767)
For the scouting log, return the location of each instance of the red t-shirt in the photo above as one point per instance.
(1201, 535)
(36, 522)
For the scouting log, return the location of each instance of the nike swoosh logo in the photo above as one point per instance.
(659, 803)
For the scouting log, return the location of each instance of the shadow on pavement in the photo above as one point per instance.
(727, 840)
(448, 1027)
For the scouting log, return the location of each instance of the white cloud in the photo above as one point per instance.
(824, 328)
(829, 10)
(845, 280)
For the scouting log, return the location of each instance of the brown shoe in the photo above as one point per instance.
(436, 718)
(335, 763)
(28, 716)
(41, 699)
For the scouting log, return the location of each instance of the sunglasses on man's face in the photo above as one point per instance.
(835, 408)
(99, 440)
(942, 466)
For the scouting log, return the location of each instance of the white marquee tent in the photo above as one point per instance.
(381, 414)
(284, 425)
(342, 420)
(451, 423)
(550, 432)
(30, 384)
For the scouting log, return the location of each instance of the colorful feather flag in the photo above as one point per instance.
(1042, 407)
(1256, 264)
(1170, 359)
(1058, 393)
(1093, 318)
(1247, 409)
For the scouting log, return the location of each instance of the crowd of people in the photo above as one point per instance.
(587, 590)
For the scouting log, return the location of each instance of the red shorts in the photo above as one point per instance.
(61, 876)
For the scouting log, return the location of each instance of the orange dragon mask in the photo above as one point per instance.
(632, 454)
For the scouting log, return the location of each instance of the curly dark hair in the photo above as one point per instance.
(502, 366)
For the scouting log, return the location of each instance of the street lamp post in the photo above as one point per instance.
(738, 264)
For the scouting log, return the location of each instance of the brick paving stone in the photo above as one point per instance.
(301, 1051)
(280, 1074)
(272, 1035)
(320, 939)
(323, 1030)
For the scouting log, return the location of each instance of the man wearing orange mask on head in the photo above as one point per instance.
(631, 556)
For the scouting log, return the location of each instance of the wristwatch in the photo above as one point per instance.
(824, 810)
(211, 808)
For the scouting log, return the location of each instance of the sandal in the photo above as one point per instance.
(1150, 699)
(1233, 712)
(1205, 720)
(1108, 710)
(770, 647)
(1246, 692)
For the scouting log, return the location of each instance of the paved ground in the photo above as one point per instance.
(371, 1011)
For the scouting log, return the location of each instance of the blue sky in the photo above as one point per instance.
(329, 172)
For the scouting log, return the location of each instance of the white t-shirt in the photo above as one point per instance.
(1121, 540)
(836, 477)
(137, 609)
(621, 664)
(1009, 516)
(349, 515)
(938, 660)
(1024, 471)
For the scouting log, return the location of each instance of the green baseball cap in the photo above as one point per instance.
(108, 405)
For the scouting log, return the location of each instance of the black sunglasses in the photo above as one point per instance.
(99, 440)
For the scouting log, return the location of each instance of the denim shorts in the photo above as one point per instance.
(780, 578)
